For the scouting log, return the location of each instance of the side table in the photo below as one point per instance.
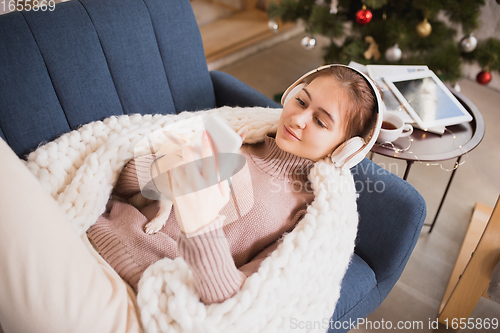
(430, 147)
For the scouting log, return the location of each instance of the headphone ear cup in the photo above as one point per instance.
(292, 93)
(344, 153)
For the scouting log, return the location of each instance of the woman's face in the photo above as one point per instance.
(312, 123)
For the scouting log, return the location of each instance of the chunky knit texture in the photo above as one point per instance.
(271, 193)
(300, 280)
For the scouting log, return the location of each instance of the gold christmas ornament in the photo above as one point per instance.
(424, 28)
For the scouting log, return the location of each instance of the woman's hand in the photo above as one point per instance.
(197, 194)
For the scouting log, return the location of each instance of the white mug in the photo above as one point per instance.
(393, 128)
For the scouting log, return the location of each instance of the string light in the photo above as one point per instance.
(391, 146)
(456, 164)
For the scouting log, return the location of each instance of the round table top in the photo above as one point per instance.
(425, 146)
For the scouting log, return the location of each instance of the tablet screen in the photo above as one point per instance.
(427, 99)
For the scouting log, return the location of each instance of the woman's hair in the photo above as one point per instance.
(360, 113)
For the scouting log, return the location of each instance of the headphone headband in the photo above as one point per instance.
(356, 151)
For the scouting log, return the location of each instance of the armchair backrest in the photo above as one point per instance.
(90, 59)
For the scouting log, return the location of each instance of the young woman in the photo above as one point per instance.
(325, 113)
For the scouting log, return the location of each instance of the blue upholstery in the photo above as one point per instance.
(90, 59)
(77, 66)
(230, 91)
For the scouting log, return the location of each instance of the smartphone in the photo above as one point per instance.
(224, 138)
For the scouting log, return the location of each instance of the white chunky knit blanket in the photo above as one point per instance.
(297, 286)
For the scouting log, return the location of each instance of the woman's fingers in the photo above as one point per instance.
(174, 186)
(202, 163)
(206, 148)
(209, 168)
(224, 190)
(199, 197)
(175, 138)
(198, 169)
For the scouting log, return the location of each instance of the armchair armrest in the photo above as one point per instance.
(392, 213)
(230, 91)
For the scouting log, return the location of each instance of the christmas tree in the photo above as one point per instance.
(416, 32)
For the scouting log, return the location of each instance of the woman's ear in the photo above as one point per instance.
(242, 132)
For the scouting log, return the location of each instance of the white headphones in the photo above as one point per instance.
(354, 150)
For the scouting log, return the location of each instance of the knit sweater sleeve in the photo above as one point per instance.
(135, 175)
(208, 255)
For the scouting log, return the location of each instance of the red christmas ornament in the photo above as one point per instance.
(483, 77)
(364, 16)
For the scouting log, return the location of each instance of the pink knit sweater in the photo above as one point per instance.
(271, 195)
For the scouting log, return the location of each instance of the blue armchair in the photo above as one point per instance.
(90, 59)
